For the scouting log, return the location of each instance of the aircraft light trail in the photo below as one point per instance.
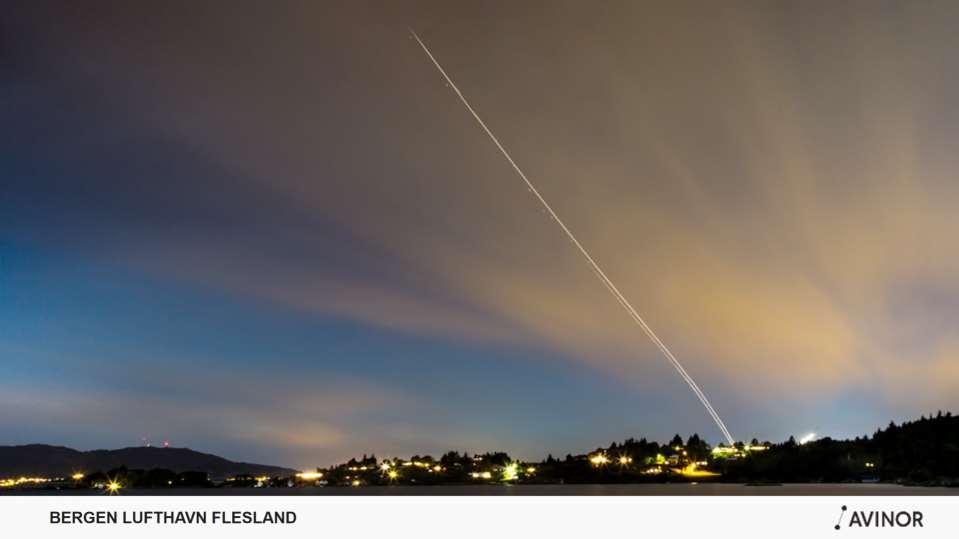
(595, 267)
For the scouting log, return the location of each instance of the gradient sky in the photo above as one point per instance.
(269, 231)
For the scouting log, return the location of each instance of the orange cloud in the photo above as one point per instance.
(761, 203)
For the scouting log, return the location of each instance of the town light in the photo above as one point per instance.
(599, 459)
(77, 476)
(723, 451)
(5, 483)
(113, 487)
(510, 472)
(310, 476)
(691, 471)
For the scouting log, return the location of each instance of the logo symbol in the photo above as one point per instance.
(839, 520)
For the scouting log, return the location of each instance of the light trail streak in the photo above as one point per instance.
(592, 263)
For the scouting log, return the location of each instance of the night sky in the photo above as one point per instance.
(269, 231)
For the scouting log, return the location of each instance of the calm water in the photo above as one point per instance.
(677, 489)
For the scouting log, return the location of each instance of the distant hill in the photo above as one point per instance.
(49, 461)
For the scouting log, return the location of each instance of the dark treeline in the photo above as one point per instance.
(921, 451)
(630, 461)
(925, 451)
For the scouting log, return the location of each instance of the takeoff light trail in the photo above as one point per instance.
(592, 263)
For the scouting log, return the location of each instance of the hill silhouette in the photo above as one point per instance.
(51, 461)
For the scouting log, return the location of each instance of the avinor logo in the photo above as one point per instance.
(880, 519)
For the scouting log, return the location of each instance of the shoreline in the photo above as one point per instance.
(658, 489)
